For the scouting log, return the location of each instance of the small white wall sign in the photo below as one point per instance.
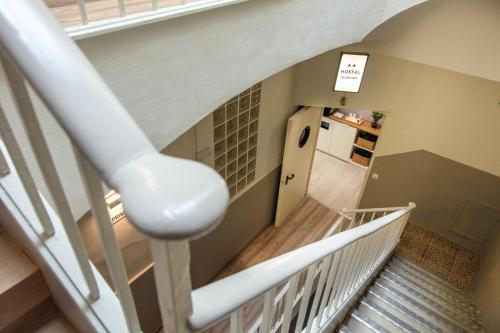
(115, 206)
(350, 73)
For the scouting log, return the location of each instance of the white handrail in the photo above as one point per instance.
(155, 13)
(369, 210)
(169, 199)
(219, 299)
(162, 204)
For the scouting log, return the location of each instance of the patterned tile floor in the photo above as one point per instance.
(438, 255)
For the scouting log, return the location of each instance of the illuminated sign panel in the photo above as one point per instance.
(350, 73)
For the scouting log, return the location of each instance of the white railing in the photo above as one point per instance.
(91, 17)
(110, 147)
(327, 273)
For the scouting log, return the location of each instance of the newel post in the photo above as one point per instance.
(173, 283)
(170, 210)
(411, 206)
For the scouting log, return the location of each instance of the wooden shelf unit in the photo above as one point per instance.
(365, 127)
(351, 142)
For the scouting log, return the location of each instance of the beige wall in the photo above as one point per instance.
(456, 201)
(254, 208)
(488, 286)
(459, 35)
(276, 107)
(450, 114)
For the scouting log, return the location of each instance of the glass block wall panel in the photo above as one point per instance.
(236, 125)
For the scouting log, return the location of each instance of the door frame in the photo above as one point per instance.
(368, 169)
(372, 160)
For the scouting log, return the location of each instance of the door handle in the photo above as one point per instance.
(289, 177)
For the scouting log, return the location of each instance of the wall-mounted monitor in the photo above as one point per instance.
(350, 72)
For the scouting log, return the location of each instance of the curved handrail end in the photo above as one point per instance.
(171, 198)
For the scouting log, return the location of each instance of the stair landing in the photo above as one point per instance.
(438, 255)
(308, 223)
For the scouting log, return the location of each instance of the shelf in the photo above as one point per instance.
(364, 127)
(357, 164)
(358, 146)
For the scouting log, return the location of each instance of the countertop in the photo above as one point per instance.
(366, 126)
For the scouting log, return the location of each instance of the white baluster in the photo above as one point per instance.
(336, 268)
(343, 282)
(4, 167)
(236, 321)
(109, 244)
(353, 221)
(330, 307)
(334, 229)
(343, 270)
(173, 284)
(362, 218)
(154, 4)
(325, 268)
(268, 310)
(368, 243)
(304, 302)
(289, 303)
(24, 174)
(48, 169)
(83, 12)
(355, 263)
(122, 8)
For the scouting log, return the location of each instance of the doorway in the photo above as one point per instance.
(335, 183)
(344, 152)
(334, 168)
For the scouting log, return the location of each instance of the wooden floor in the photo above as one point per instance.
(67, 11)
(134, 246)
(308, 223)
(335, 183)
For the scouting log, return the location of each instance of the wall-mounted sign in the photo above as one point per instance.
(115, 206)
(350, 73)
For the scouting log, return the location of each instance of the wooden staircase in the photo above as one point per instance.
(26, 304)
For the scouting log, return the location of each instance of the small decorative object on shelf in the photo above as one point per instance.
(376, 117)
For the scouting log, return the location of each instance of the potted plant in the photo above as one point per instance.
(376, 117)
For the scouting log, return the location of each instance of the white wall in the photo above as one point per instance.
(169, 75)
(460, 35)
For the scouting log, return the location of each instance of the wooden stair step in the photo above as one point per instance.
(25, 299)
(58, 324)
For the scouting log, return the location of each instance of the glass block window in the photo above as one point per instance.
(236, 125)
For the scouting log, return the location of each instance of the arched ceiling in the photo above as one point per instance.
(458, 35)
